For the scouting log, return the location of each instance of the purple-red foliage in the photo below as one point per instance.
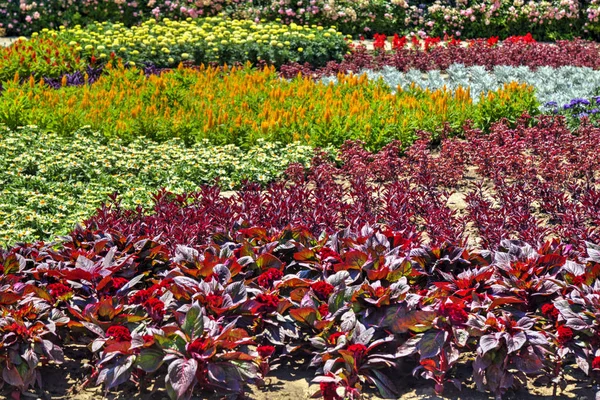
(396, 255)
(579, 53)
(528, 182)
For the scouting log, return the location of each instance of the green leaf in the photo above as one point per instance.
(266, 261)
(150, 360)
(399, 320)
(432, 343)
(193, 325)
(385, 386)
(305, 315)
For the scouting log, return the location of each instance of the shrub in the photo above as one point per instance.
(206, 40)
(241, 105)
(546, 19)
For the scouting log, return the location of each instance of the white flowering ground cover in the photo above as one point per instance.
(48, 182)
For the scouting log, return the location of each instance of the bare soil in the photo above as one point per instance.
(288, 383)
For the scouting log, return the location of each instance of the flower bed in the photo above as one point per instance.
(49, 182)
(241, 105)
(205, 41)
(477, 190)
(67, 52)
(209, 292)
(362, 306)
(482, 52)
(558, 85)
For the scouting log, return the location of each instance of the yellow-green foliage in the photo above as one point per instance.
(241, 105)
(206, 40)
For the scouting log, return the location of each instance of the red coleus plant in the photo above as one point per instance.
(359, 266)
(27, 337)
(350, 365)
(202, 352)
(506, 341)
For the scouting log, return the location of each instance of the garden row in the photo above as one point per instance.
(546, 19)
(241, 105)
(204, 292)
(50, 182)
(188, 127)
(314, 51)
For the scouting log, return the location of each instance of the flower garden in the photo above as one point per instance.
(240, 199)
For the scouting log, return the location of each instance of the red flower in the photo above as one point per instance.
(118, 333)
(323, 309)
(198, 346)
(328, 391)
(455, 313)
(266, 279)
(322, 289)
(454, 42)
(156, 309)
(328, 254)
(17, 329)
(268, 302)
(596, 363)
(265, 351)
(398, 42)
(59, 290)
(429, 42)
(334, 336)
(214, 300)
(141, 296)
(492, 41)
(148, 340)
(358, 349)
(119, 282)
(549, 311)
(565, 334)
(379, 41)
(415, 41)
